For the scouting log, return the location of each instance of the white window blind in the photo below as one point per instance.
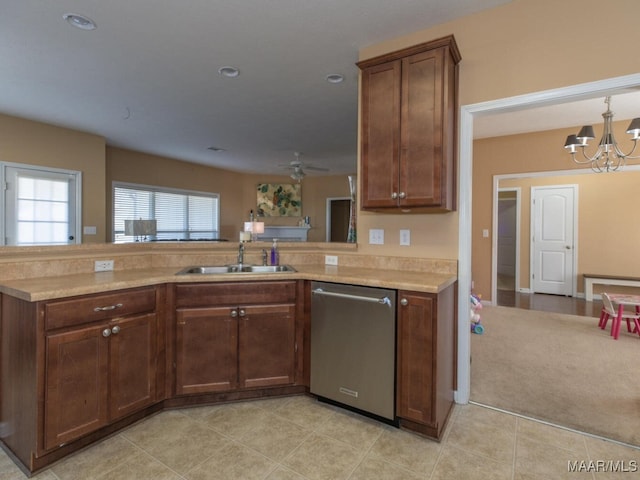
(180, 214)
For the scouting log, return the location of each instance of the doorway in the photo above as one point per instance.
(508, 240)
(465, 185)
(338, 210)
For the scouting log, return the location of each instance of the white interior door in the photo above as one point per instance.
(553, 243)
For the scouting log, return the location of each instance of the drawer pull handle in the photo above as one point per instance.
(106, 309)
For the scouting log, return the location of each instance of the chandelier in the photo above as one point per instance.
(608, 157)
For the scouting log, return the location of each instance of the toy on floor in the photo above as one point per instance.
(476, 306)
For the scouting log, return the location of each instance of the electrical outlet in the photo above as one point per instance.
(331, 260)
(405, 237)
(376, 236)
(103, 266)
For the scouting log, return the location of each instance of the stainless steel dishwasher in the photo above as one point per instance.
(353, 344)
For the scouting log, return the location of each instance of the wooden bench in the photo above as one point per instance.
(590, 279)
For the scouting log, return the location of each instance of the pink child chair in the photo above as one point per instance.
(610, 312)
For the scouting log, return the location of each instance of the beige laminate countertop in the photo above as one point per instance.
(48, 288)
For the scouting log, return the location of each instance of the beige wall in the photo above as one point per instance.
(237, 191)
(314, 189)
(525, 46)
(34, 143)
(604, 202)
(136, 167)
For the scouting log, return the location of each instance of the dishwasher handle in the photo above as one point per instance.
(382, 301)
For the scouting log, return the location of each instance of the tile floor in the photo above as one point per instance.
(297, 438)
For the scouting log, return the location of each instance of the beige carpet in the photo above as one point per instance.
(559, 368)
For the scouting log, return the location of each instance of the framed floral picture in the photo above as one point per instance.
(279, 200)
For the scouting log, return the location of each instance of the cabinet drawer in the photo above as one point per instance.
(240, 293)
(99, 307)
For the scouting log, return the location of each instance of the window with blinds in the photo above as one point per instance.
(179, 214)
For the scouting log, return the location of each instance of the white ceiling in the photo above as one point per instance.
(147, 78)
(625, 105)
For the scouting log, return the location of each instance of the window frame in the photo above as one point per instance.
(160, 189)
(75, 199)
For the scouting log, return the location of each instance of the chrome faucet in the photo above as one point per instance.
(241, 253)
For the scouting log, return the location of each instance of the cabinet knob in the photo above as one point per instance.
(404, 302)
(115, 330)
(242, 313)
(234, 313)
(106, 332)
(402, 195)
(394, 195)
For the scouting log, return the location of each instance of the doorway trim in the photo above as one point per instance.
(328, 216)
(494, 238)
(465, 180)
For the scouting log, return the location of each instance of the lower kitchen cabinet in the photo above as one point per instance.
(97, 374)
(206, 350)
(235, 336)
(74, 366)
(426, 359)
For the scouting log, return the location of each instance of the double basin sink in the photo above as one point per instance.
(235, 269)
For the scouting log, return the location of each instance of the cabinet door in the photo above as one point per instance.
(206, 350)
(416, 362)
(76, 384)
(266, 345)
(132, 364)
(422, 130)
(380, 134)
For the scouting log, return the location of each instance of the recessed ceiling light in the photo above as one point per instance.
(335, 78)
(230, 72)
(79, 21)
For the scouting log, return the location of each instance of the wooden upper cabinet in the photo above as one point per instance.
(409, 127)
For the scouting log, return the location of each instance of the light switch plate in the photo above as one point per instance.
(376, 236)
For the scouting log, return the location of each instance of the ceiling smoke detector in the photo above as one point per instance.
(335, 78)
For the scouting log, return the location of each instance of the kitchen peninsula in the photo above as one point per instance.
(85, 354)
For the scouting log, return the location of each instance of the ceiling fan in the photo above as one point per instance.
(297, 168)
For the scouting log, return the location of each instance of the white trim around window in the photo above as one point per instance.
(46, 210)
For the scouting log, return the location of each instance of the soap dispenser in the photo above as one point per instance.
(275, 254)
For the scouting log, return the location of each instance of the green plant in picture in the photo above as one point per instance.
(279, 200)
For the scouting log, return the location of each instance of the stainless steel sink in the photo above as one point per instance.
(241, 268)
(271, 268)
